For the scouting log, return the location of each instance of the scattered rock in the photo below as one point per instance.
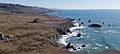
(83, 45)
(89, 21)
(79, 19)
(79, 24)
(82, 23)
(36, 20)
(109, 25)
(78, 35)
(103, 23)
(69, 31)
(94, 25)
(1, 36)
(6, 37)
(72, 19)
(68, 46)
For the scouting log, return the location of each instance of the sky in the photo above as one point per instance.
(69, 4)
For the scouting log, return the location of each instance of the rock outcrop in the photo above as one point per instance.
(94, 25)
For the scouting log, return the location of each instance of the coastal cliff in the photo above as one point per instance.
(32, 38)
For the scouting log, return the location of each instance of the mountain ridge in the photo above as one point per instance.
(17, 8)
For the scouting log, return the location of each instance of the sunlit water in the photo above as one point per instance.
(97, 39)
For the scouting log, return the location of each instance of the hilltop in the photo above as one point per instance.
(17, 8)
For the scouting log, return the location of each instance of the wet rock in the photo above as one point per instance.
(79, 19)
(83, 45)
(73, 47)
(72, 19)
(94, 25)
(82, 23)
(78, 35)
(68, 46)
(109, 25)
(103, 23)
(79, 24)
(89, 21)
(69, 31)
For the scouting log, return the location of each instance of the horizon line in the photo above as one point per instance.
(67, 8)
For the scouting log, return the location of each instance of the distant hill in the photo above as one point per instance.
(16, 8)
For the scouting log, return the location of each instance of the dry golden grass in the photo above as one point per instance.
(30, 38)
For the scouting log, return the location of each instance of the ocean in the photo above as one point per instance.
(96, 39)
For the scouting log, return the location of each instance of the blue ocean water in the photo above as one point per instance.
(98, 39)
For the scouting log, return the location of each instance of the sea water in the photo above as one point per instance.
(97, 39)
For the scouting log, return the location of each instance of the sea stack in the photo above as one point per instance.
(94, 25)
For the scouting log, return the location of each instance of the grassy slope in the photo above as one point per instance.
(30, 38)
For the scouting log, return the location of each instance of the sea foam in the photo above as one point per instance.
(63, 39)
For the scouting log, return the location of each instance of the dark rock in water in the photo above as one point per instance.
(83, 45)
(89, 21)
(109, 25)
(82, 23)
(79, 19)
(94, 25)
(72, 47)
(103, 23)
(72, 19)
(68, 46)
(69, 31)
(79, 24)
(78, 35)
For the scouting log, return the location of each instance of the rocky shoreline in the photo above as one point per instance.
(32, 38)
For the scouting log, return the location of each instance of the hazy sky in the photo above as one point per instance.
(69, 4)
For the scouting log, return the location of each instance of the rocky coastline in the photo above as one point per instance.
(33, 37)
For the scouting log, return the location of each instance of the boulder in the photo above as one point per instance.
(94, 25)
(36, 20)
(1, 36)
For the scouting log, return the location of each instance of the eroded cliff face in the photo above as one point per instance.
(32, 38)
